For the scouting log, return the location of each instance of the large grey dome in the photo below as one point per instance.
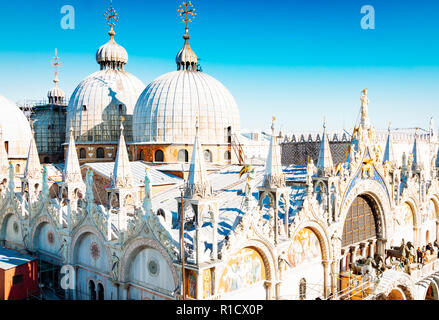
(98, 103)
(167, 110)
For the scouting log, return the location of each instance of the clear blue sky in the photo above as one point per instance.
(297, 60)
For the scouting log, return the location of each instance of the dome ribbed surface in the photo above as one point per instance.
(98, 103)
(167, 109)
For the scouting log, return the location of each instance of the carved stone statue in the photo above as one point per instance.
(115, 266)
(310, 171)
(364, 104)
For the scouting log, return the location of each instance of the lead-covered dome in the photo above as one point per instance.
(100, 101)
(167, 110)
(15, 129)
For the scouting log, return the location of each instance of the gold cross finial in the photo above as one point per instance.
(111, 16)
(187, 13)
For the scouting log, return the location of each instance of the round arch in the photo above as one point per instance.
(435, 200)
(262, 249)
(413, 206)
(18, 230)
(39, 224)
(396, 294)
(321, 235)
(80, 234)
(134, 247)
(380, 200)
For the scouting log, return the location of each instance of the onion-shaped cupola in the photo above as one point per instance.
(186, 58)
(112, 55)
(56, 95)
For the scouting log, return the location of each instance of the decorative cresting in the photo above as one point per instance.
(56, 95)
(273, 177)
(111, 55)
(197, 184)
(186, 58)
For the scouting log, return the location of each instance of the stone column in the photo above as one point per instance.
(215, 240)
(416, 236)
(276, 224)
(326, 278)
(381, 247)
(277, 290)
(371, 251)
(353, 250)
(125, 291)
(335, 276)
(268, 290)
(363, 248)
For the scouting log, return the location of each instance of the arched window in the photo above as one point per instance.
(100, 153)
(207, 156)
(360, 222)
(101, 295)
(17, 168)
(159, 156)
(183, 155)
(302, 289)
(82, 154)
(227, 155)
(141, 155)
(161, 212)
(91, 290)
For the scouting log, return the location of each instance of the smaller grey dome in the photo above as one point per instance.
(186, 58)
(112, 55)
(56, 95)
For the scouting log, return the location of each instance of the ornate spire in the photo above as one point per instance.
(187, 59)
(324, 163)
(4, 163)
(388, 152)
(111, 55)
(33, 165)
(122, 175)
(415, 153)
(56, 95)
(273, 177)
(198, 184)
(72, 171)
